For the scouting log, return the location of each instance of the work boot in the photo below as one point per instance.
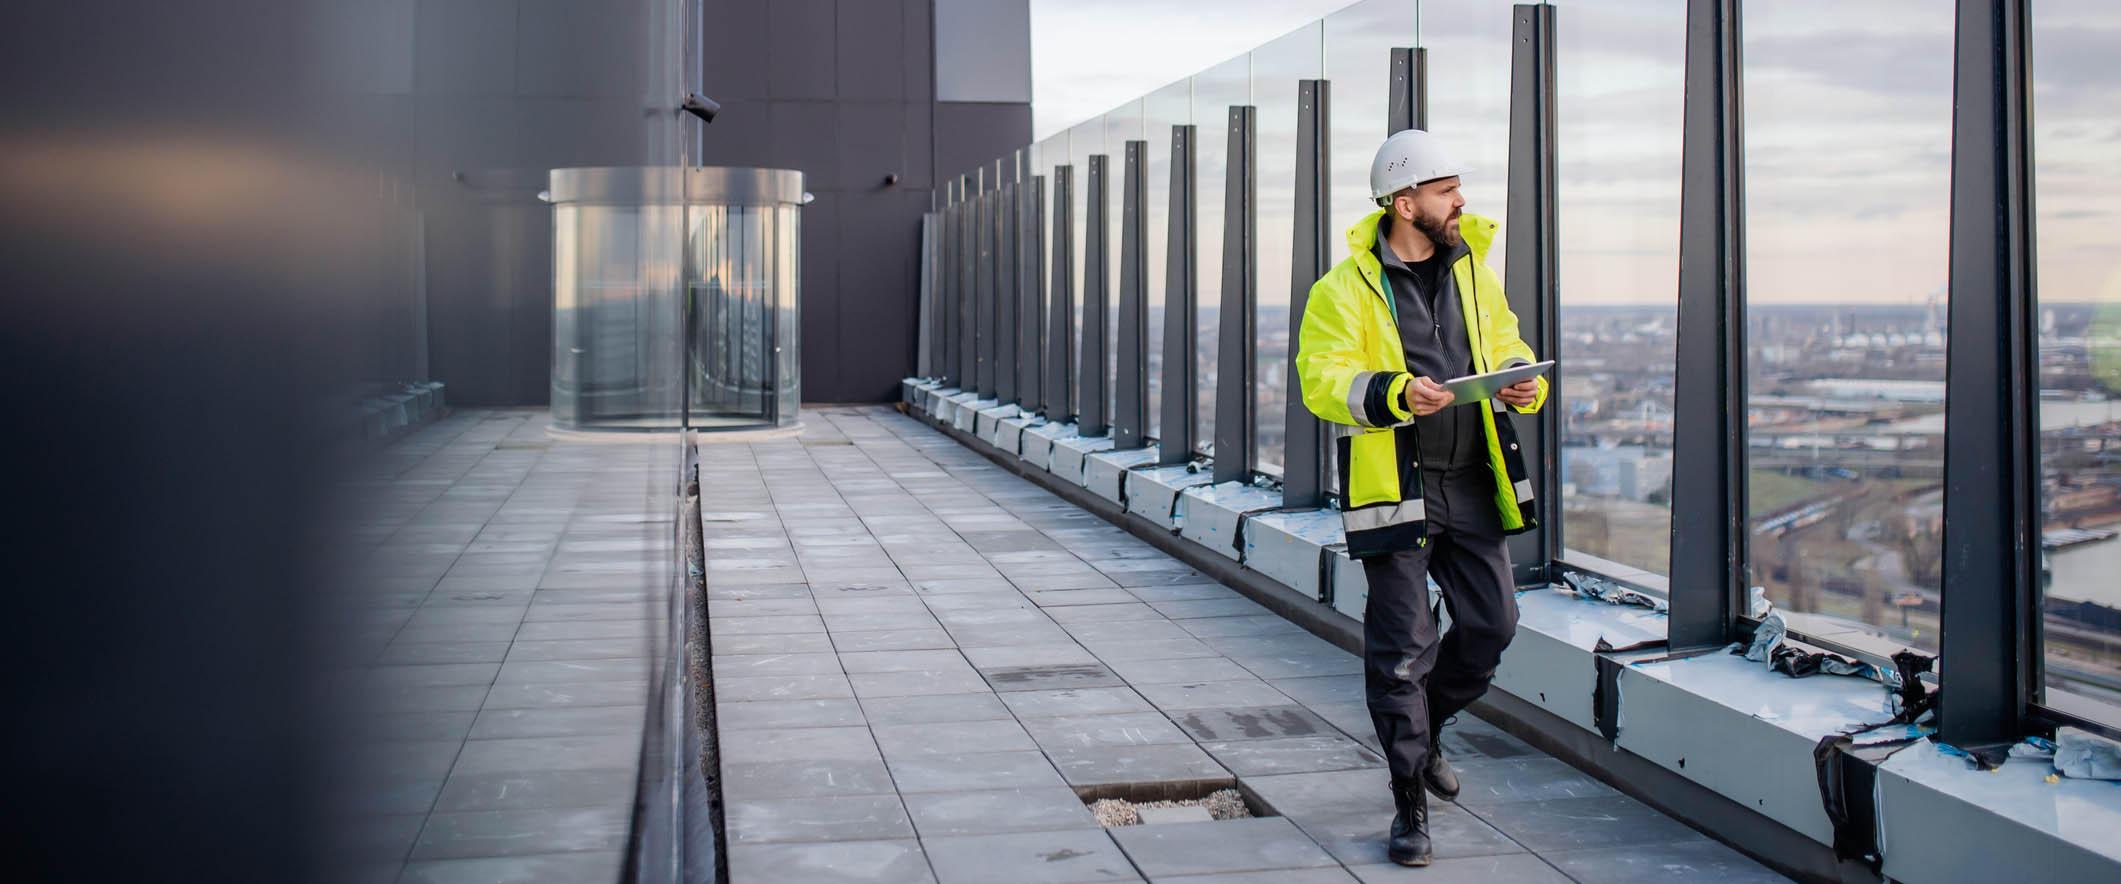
(1439, 776)
(1409, 844)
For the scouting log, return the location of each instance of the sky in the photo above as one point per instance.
(1847, 128)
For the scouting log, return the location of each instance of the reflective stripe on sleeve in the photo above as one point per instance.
(1358, 397)
(1524, 490)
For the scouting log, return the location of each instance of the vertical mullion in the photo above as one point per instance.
(983, 281)
(1408, 105)
(1060, 325)
(1027, 297)
(1130, 414)
(1237, 375)
(1303, 464)
(1005, 292)
(1709, 456)
(1034, 294)
(967, 344)
(1092, 403)
(1181, 407)
(1989, 644)
(1531, 273)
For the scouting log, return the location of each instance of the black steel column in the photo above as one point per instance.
(1709, 458)
(1060, 317)
(983, 281)
(1303, 463)
(1531, 274)
(1181, 406)
(1409, 103)
(946, 363)
(1028, 306)
(1092, 401)
(1006, 296)
(1130, 387)
(1989, 665)
(967, 259)
(1236, 375)
(1033, 347)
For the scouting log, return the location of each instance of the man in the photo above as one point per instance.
(1431, 487)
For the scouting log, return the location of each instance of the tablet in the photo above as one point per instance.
(1473, 388)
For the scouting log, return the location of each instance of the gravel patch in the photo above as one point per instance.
(1224, 804)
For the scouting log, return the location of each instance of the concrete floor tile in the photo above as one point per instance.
(1192, 608)
(901, 661)
(559, 694)
(1136, 649)
(1261, 624)
(443, 652)
(1074, 701)
(1122, 729)
(552, 671)
(1024, 769)
(1517, 868)
(1239, 693)
(771, 625)
(497, 724)
(784, 643)
(798, 744)
(782, 687)
(581, 649)
(1064, 857)
(1183, 669)
(433, 675)
(1183, 592)
(1109, 765)
(961, 680)
(545, 630)
(847, 862)
(832, 818)
(808, 778)
(1050, 677)
(1043, 593)
(1127, 630)
(1292, 755)
(469, 834)
(1253, 723)
(548, 753)
(951, 738)
(554, 868)
(1029, 655)
(1245, 845)
(1486, 783)
(1357, 837)
(892, 640)
(538, 789)
(1677, 862)
(1052, 808)
(1576, 823)
(756, 665)
(934, 708)
(1277, 876)
(778, 714)
(1317, 690)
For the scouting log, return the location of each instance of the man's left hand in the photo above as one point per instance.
(1520, 394)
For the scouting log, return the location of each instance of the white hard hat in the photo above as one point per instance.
(1408, 158)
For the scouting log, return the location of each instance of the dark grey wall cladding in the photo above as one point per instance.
(502, 91)
(843, 91)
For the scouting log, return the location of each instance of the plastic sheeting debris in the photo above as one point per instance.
(1600, 589)
(2082, 755)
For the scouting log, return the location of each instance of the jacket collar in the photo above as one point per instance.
(1478, 230)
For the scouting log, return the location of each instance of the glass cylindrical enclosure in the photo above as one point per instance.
(630, 307)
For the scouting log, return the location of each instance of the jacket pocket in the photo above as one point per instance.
(1371, 464)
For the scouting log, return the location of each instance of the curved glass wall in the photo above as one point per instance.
(624, 301)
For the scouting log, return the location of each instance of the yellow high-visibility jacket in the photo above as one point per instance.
(1354, 371)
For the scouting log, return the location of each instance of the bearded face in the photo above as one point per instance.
(1434, 208)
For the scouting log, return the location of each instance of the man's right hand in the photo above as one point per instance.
(1426, 397)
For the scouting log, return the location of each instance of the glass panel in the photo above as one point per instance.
(1215, 90)
(1619, 132)
(1122, 124)
(1469, 100)
(1162, 109)
(1848, 113)
(2077, 180)
(1358, 59)
(1276, 68)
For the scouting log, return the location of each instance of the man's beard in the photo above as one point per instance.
(1444, 234)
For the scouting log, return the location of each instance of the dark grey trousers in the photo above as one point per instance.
(1414, 680)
